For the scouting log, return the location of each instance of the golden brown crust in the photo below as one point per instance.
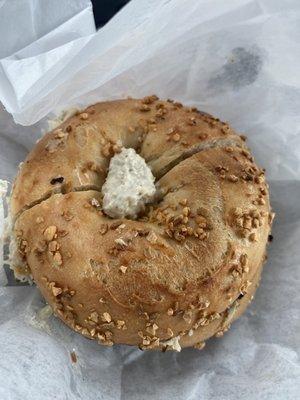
(77, 153)
(186, 268)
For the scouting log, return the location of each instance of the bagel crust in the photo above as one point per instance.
(179, 273)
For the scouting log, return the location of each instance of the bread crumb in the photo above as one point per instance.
(172, 344)
(73, 357)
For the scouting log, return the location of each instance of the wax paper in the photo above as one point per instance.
(237, 59)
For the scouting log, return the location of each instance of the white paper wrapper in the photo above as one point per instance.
(239, 60)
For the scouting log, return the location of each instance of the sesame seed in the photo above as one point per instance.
(170, 332)
(185, 220)
(201, 221)
(106, 150)
(187, 316)
(263, 191)
(190, 231)
(186, 211)
(57, 258)
(199, 231)
(259, 179)
(53, 246)
(106, 317)
(152, 329)
(253, 237)
(123, 269)
(144, 107)
(219, 334)
(121, 324)
(271, 217)
(149, 99)
(169, 233)
(115, 224)
(192, 121)
(39, 220)
(120, 244)
(179, 237)
(94, 316)
(84, 116)
(103, 229)
(178, 104)
(101, 337)
(233, 178)
(59, 133)
(176, 137)
(247, 224)
(93, 332)
(95, 202)
(67, 215)
(151, 237)
(237, 211)
(56, 291)
(116, 148)
(244, 259)
(50, 232)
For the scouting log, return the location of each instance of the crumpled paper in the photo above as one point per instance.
(239, 60)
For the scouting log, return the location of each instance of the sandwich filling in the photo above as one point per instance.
(129, 185)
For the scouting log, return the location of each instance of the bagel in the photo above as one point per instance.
(169, 276)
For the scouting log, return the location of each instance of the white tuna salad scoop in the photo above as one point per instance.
(129, 185)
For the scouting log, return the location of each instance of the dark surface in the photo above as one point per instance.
(104, 10)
